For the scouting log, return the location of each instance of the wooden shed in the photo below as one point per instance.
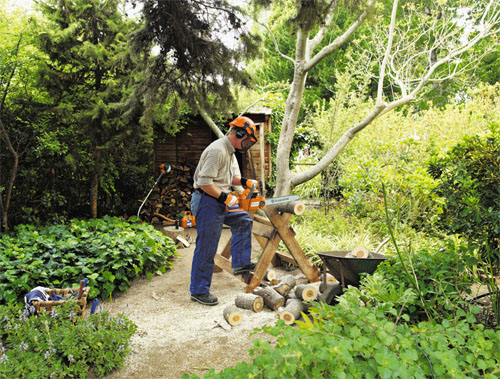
(186, 147)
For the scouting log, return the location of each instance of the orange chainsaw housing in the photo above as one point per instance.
(252, 204)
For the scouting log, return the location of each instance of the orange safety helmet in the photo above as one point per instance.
(245, 128)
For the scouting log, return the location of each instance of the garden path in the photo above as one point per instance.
(176, 335)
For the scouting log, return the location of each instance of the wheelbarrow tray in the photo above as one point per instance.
(348, 269)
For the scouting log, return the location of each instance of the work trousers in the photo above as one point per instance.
(210, 216)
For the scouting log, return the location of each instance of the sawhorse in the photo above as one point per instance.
(269, 232)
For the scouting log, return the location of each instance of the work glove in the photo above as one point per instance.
(228, 199)
(249, 183)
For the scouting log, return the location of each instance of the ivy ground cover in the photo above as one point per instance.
(110, 252)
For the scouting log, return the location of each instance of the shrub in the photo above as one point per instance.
(109, 251)
(60, 344)
(469, 181)
(350, 341)
(440, 278)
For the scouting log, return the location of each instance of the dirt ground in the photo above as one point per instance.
(176, 335)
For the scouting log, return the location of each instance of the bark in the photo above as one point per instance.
(249, 301)
(285, 285)
(294, 207)
(292, 311)
(272, 299)
(306, 292)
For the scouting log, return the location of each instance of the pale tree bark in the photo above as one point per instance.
(408, 65)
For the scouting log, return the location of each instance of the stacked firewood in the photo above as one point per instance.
(170, 197)
(288, 296)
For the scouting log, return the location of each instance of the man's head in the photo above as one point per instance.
(245, 131)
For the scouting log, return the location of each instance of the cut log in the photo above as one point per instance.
(232, 315)
(293, 207)
(358, 252)
(173, 231)
(285, 285)
(249, 301)
(330, 293)
(330, 279)
(306, 292)
(271, 275)
(300, 279)
(292, 311)
(272, 299)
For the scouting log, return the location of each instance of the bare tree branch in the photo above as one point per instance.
(318, 38)
(340, 40)
(276, 46)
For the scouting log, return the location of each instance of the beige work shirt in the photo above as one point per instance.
(217, 165)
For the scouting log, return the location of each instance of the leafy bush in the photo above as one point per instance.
(351, 341)
(440, 278)
(109, 251)
(60, 344)
(469, 181)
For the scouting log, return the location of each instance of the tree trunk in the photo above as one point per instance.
(94, 192)
(94, 184)
(4, 206)
(292, 108)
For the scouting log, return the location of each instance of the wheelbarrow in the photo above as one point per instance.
(347, 269)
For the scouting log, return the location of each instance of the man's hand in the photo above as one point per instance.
(228, 199)
(231, 201)
(249, 183)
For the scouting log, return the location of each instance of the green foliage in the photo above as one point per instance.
(440, 277)
(60, 344)
(351, 341)
(469, 181)
(109, 251)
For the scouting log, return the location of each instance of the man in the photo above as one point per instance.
(216, 172)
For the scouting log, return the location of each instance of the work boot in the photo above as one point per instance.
(205, 299)
(243, 269)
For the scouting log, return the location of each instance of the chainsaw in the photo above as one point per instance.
(252, 200)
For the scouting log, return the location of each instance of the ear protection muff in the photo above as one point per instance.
(242, 132)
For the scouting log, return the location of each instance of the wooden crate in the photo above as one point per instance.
(49, 305)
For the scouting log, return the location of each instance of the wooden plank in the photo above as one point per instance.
(280, 222)
(226, 253)
(263, 263)
(262, 229)
(225, 264)
(261, 240)
(286, 258)
(263, 220)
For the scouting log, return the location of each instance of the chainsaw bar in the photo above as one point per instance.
(282, 199)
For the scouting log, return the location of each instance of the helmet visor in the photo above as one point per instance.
(248, 142)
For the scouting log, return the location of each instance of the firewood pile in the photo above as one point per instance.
(288, 296)
(171, 196)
